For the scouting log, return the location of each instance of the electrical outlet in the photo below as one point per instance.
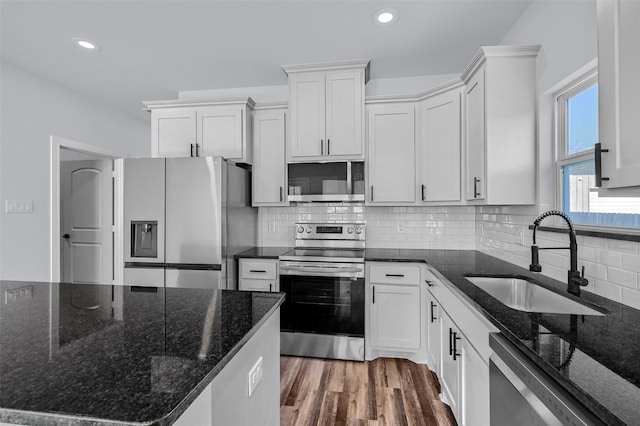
(400, 228)
(519, 236)
(255, 375)
(272, 226)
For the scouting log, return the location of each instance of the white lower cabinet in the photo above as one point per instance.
(258, 275)
(395, 311)
(452, 360)
(458, 351)
(434, 334)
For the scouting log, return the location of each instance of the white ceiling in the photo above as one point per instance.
(152, 49)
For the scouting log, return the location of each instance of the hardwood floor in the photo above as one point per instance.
(374, 393)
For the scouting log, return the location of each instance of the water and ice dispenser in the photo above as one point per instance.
(144, 239)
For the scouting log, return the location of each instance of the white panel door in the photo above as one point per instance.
(269, 166)
(344, 115)
(619, 91)
(86, 202)
(391, 156)
(307, 108)
(173, 132)
(440, 148)
(219, 132)
(395, 316)
(476, 137)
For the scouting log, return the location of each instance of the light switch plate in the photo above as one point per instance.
(255, 375)
(19, 206)
(400, 228)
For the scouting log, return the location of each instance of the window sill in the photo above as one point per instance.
(612, 234)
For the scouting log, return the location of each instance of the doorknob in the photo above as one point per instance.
(66, 236)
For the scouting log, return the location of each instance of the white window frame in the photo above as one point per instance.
(560, 117)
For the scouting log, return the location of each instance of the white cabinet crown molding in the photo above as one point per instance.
(436, 90)
(496, 51)
(330, 66)
(172, 103)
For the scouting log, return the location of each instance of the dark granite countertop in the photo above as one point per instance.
(595, 358)
(263, 253)
(70, 356)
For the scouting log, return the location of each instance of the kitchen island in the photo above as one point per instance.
(99, 354)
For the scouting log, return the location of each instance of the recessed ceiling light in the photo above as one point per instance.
(385, 16)
(89, 45)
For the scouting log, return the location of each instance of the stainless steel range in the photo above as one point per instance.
(323, 278)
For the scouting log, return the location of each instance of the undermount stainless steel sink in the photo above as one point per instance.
(518, 293)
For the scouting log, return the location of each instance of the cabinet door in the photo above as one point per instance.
(220, 131)
(344, 114)
(391, 154)
(269, 163)
(450, 380)
(434, 334)
(619, 91)
(395, 316)
(440, 148)
(173, 132)
(307, 109)
(475, 388)
(475, 118)
(248, 284)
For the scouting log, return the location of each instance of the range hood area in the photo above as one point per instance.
(326, 181)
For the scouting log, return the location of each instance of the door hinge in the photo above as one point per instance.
(113, 228)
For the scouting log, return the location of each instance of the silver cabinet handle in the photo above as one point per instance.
(328, 142)
(197, 150)
(258, 270)
(321, 146)
(476, 194)
(373, 294)
(423, 188)
(281, 197)
(192, 150)
(371, 192)
(429, 283)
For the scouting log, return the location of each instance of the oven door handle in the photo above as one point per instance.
(325, 271)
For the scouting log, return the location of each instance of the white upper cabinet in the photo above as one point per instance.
(269, 164)
(619, 92)
(390, 165)
(198, 128)
(439, 147)
(326, 106)
(500, 125)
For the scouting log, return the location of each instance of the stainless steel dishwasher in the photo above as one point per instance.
(522, 394)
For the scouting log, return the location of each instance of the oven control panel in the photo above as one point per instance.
(330, 231)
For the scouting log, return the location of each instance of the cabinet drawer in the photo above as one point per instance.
(248, 284)
(390, 273)
(259, 269)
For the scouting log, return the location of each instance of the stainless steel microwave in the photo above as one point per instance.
(339, 181)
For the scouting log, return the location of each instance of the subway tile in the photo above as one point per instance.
(631, 298)
(622, 277)
(608, 290)
(624, 246)
(631, 262)
(609, 258)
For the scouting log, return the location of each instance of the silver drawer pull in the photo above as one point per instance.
(395, 275)
(258, 270)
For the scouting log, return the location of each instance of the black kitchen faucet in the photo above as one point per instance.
(575, 279)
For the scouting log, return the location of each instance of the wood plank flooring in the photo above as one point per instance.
(386, 391)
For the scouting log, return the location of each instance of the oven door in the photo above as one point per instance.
(322, 299)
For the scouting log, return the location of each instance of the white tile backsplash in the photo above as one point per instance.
(612, 266)
(424, 227)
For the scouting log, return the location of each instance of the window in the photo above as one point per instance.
(577, 133)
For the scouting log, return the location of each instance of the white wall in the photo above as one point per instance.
(567, 31)
(32, 109)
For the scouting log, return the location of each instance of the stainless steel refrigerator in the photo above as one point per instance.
(185, 219)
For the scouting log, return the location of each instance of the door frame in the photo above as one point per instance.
(58, 143)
